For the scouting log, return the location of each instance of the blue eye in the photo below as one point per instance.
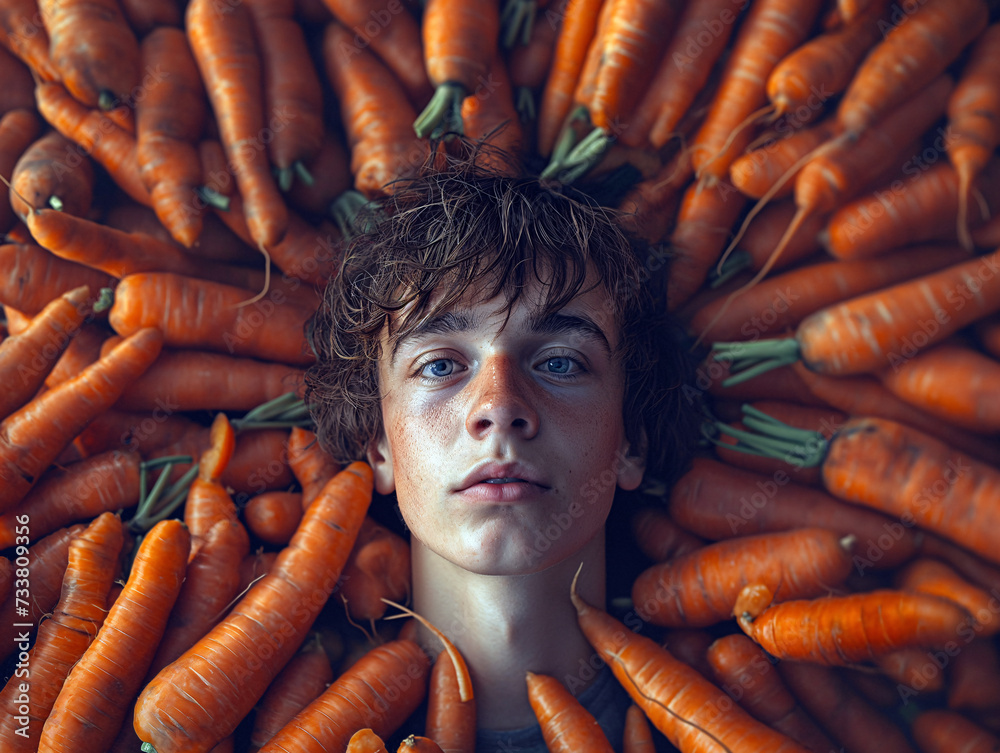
(441, 367)
(560, 365)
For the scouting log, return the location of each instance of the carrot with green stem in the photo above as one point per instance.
(531, 64)
(493, 118)
(460, 41)
(200, 698)
(451, 722)
(329, 176)
(52, 173)
(170, 118)
(974, 119)
(677, 699)
(228, 58)
(32, 437)
(91, 706)
(566, 725)
(92, 565)
(27, 358)
(35, 277)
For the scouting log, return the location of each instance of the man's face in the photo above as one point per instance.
(505, 446)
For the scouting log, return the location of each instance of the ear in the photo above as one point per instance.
(631, 463)
(380, 459)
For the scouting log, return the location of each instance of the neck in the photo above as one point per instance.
(507, 625)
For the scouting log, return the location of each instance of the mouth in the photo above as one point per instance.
(503, 475)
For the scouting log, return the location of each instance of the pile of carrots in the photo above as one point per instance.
(824, 179)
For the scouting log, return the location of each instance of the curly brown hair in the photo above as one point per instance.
(449, 231)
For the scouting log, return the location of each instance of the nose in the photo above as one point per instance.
(502, 401)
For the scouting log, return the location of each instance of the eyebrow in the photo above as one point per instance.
(551, 324)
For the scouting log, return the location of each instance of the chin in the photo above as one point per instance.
(520, 555)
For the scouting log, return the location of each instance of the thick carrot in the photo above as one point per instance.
(378, 568)
(841, 630)
(92, 564)
(92, 704)
(375, 112)
(908, 58)
(578, 25)
(359, 699)
(460, 41)
(659, 537)
(105, 482)
(566, 725)
(52, 173)
(36, 595)
(83, 350)
(700, 588)
(227, 56)
(32, 437)
(944, 731)
(770, 31)
(302, 680)
(18, 129)
(746, 673)
(718, 501)
(34, 277)
(94, 50)
(312, 465)
(109, 145)
(273, 516)
(678, 700)
(958, 384)
(206, 315)
(292, 87)
(27, 358)
(170, 118)
(23, 33)
(185, 707)
(845, 716)
(394, 35)
(451, 722)
(935, 577)
(193, 380)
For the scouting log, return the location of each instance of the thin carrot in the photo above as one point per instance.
(312, 465)
(699, 588)
(397, 42)
(375, 112)
(359, 699)
(365, 741)
(746, 673)
(92, 564)
(460, 41)
(638, 734)
(105, 482)
(227, 56)
(32, 437)
(840, 630)
(184, 708)
(679, 701)
(935, 577)
(109, 145)
(273, 516)
(52, 173)
(34, 277)
(292, 88)
(302, 680)
(27, 358)
(92, 703)
(756, 172)
(169, 120)
(944, 731)
(206, 315)
(451, 722)
(718, 501)
(18, 129)
(566, 725)
(659, 537)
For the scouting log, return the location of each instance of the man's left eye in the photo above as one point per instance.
(561, 365)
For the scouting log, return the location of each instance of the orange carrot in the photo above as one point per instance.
(145, 16)
(679, 701)
(359, 699)
(18, 129)
(451, 722)
(418, 744)
(27, 358)
(92, 704)
(32, 437)
(227, 56)
(52, 173)
(566, 725)
(92, 564)
(911, 669)
(365, 741)
(943, 731)
(840, 630)
(699, 588)
(34, 277)
(690, 645)
(302, 680)
(206, 315)
(659, 537)
(934, 577)
(746, 673)
(375, 112)
(491, 116)
(638, 734)
(183, 708)
(169, 120)
(648, 209)
(378, 568)
(273, 516)
(254, 566)
(757, 172)
(23, 33)
(312, 465)
(331, 176)
(208, 502)
(531, 63)
(105, 482)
